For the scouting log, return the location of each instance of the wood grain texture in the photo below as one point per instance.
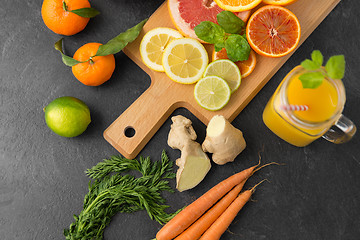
(155, 105)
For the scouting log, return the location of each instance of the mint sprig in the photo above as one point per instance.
(230, 22)
(334, 68)
(226, 34)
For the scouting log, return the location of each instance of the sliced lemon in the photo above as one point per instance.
(227, 70)
(153, 44)
(212, 93)
(185, 60)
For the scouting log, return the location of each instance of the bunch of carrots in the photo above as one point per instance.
(208, 217)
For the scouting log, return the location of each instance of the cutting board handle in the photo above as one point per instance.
(132, 130)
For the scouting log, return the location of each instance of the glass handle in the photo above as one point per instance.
(342, 131)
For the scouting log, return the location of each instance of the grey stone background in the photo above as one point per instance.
(42, 181)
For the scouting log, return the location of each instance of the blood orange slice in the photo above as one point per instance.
(273, 31)
(187, 14)
(246, 67)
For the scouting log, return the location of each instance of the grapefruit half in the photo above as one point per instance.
(187, 14)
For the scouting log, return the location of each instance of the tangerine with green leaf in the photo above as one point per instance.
(67, 116)
(93, 70)
(67, 17)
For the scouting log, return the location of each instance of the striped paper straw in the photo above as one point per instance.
(291, 108)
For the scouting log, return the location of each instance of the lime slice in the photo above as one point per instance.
(185, 60)
(153, 44)
(212, 93)
(227, 70)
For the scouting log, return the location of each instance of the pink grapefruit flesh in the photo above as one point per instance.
(187, 14)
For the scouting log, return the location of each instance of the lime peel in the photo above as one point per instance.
(67, 116)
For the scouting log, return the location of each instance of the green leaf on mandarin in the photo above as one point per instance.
(86, 12)
(68, 61)
(116, 44)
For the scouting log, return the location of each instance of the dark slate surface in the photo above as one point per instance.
(42, 181)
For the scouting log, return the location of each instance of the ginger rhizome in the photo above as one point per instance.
(223, 140)
(193, 164)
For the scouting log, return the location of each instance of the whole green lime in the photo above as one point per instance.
(67, 116)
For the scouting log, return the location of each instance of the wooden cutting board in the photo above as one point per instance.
(146, 115)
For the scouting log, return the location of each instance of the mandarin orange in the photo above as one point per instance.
(60, 20)
(94, 70)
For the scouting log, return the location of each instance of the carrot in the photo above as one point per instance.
(202, 224)
(193, 211)
(215, 231)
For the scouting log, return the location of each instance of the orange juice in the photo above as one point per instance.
(303, 127)
(322, 101)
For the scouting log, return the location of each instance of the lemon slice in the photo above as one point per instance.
(212, 93)
(153, 44)
(185, 60)
(227, 70)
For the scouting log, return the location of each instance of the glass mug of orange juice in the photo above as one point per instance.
(314, 113)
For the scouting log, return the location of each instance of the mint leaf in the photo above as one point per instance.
(68, 61)
(116, 44)
(86, 12)
(230, 22)
(310, 65)
(209, 32)
(219, 45)
(335, 67)
(237, 48)
(311, 79)
(317, 57)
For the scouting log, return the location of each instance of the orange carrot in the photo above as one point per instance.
(215, 231)
(193, 211)
(202, 224)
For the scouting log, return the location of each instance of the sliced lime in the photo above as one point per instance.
(212, 93)
(227, 70)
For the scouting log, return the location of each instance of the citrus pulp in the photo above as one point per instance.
(212, 93)
(153, 44)
(187, 14)
(185, 60)
(273, 31)
(237, 5)
(246, 67)
(279, 2)
(227, 70)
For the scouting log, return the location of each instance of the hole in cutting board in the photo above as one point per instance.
(129, 132)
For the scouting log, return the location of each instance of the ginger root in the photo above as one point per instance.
(223, 140)
(193, 164)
